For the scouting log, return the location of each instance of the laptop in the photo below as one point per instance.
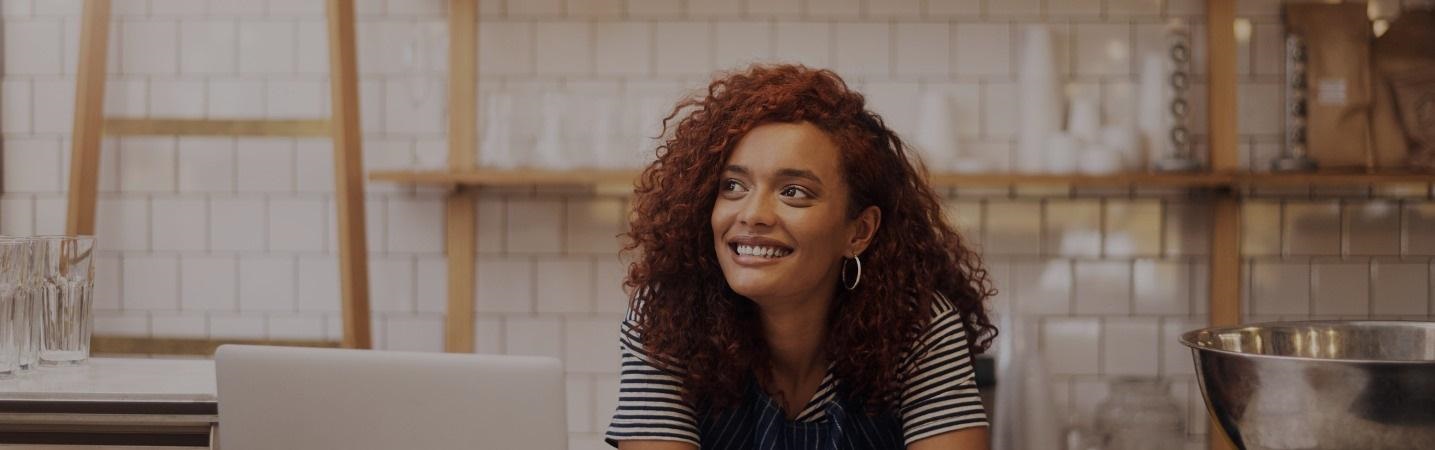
(276, 398)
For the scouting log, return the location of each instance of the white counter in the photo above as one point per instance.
(112, 401)
(116, 379)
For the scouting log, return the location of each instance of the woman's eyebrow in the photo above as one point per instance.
(734, 168)
(799, 173)
(781, 173)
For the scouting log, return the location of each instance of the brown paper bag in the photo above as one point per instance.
(1337, 39)
(1406, 52)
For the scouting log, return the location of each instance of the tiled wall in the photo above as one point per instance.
(220, 237)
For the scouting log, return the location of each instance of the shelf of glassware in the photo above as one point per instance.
(581, 177)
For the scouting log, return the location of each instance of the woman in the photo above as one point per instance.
(796, 285)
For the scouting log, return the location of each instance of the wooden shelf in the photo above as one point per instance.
(1321, 179)
(516, 177)
(1138, 179)
(584, 177)
(128, 345)
(120, 126)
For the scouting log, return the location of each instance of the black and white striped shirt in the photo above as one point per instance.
(940, 396)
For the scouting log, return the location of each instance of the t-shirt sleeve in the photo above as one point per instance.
(650, 401)
(940, 393)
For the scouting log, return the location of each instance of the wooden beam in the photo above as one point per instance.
(460, 217)
(1222, 90)
(1225, 272)
(117, 345)
(115, 126)
(459, 228)
(1225, 261)
(1225, 281)
(462, 83)
(348, 175)
(89, 118)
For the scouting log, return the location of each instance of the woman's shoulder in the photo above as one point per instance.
(940, 309)
(941, 305)
(635, 305)
(944, 326)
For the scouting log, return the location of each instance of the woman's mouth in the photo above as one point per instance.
(760, 251)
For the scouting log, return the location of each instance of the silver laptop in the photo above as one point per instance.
(275, 398)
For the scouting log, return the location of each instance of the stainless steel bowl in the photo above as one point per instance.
(1327, 385)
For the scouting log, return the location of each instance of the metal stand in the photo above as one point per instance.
(1293, 155)
(1178, 38)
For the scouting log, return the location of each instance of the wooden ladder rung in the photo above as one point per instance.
(118, 126)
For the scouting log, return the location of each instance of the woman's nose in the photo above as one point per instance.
(757, 211)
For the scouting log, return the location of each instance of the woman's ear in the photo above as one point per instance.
(865, 228)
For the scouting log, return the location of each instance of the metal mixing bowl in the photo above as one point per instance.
(1324, 385)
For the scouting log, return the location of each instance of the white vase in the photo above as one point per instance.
(1098, 159)
(1123, 140)
(1084, 120)
(1038, 99)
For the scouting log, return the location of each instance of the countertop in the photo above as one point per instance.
(116, 380)
(112, 401)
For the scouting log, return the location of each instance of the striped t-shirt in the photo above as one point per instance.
(940, 394)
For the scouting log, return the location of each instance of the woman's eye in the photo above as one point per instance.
(794, 191)
(731, 185)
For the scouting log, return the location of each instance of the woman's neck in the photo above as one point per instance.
(795, 332)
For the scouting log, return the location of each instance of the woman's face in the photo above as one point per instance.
(780, 223)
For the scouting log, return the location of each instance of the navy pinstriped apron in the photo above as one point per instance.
(759, 424)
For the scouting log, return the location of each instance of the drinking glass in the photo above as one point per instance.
(28, 326)
(66, 291)
(13, 260)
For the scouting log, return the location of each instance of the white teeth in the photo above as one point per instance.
(761, 251)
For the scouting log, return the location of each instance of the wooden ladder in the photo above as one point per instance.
(343, 128)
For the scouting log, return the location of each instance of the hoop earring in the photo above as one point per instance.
(855, 281)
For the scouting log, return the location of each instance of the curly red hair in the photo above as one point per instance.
(687, 312)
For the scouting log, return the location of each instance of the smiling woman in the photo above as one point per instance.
(795, 283)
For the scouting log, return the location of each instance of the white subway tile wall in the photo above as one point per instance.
(579, 390)
(222, 237)
(1340, 288)
(1131, 346)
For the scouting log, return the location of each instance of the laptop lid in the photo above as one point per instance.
(274, 398)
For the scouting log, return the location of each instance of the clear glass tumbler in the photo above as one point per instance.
(28, 325)
(14, 259)
(67, 291)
